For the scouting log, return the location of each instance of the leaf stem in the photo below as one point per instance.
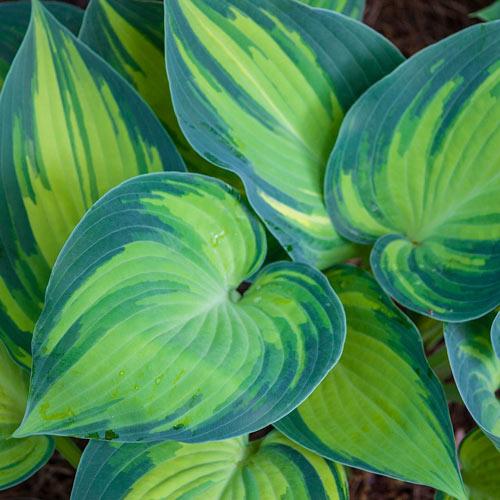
(68, 449)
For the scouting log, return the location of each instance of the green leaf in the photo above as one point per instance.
(273, 467)
(260, 88)
(144, 317)
(381, 409)
(129, 35)
(19, 458)
(71, 130)
(352, 8)
(490, 13)
(495, 335)
(14, 384)
(480, 466)
(14, 20)
(476, 370)
(415, 170)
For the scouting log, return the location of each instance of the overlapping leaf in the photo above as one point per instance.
(480, 466)
(273, 467)
(416, 170)
(144, 317)
(260, 88)
(14, 20)
(476, 369)
(490, 13)
(71, 130)
(352, 8)
(381, 409)
(129, 35)
(495, 335)
(19, 458)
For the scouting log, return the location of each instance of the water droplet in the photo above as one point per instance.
(257, 300)
(121, 373)
(136, 387)
(158, 380)
(216, 237)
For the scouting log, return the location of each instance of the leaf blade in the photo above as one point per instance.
(415, 171)
(14, 18)
(256, 93)
(382, 390)
(352, 8)
(129, 35)
(480, 462)
(232, 468)
(476, 370)
(73, 129)
(19, 458)
(157, 262)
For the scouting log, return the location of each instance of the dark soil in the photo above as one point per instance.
(411, 25)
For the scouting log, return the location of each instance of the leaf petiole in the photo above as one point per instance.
(69, 450)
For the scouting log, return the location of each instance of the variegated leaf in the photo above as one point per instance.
(476, 370)
(234, 469)
(19, 458)
(71, 130)
(495, 335)
(260, 88)
(416, 171)
(144, 317)
(129, 35)
(352, 8)
(381, 409)
(14, 20)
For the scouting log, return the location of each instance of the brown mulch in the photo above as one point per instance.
(414, 24)
(411, 25)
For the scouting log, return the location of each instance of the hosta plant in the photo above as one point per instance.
(244, 247)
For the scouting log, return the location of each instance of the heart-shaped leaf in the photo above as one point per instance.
(19, 458)
(260, 88)
(71, 130)
(352, 8)
(14, 20)
(476, 370)
(273, 467)
(144, 317)
(416, 169)
(382, 408)
(129, 35)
